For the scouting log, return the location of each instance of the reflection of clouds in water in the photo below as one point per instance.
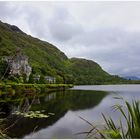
(62, 133)
(70, 123)
(130, 95)
(94, 114)
(65, 127)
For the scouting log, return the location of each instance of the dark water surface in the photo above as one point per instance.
(84, 101)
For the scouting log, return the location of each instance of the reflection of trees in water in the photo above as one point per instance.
(22, 105)
(27, 104)
(9, 107)
(50, 96)
(58, 103)
(5, 109)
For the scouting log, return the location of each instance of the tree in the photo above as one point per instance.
(4, 69)
(14, 79)
(0, 39)
(42, 80)
(31, 79)
(69, 79)
(59, 80)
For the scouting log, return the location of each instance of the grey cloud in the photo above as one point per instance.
(106, 36)
(116, 50)
(36, 23)
(63, 26)
(114, 47)
(5, 9)
(9, 11)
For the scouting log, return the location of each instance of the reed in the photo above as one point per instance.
(127, 129)
(132, 121)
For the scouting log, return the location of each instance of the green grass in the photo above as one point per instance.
(17, 89)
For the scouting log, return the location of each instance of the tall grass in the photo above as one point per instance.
(132, 122)
(129, 128)
(2, 132)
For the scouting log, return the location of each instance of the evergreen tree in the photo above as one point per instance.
(31, 79)
(4, 69)
(42, 80)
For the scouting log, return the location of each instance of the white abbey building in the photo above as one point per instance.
(19, 65)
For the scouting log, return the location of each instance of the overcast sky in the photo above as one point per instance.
(105, 32)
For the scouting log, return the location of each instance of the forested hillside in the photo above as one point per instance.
(46, 59)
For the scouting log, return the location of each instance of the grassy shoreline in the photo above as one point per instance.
(13, 88)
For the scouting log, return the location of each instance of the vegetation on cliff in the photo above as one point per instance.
(46, 59)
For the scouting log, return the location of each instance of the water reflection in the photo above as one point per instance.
(59, 103)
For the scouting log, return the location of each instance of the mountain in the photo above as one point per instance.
(131, 78)
(89, 72)
(46, 59)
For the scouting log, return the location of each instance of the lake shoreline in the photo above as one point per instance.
(12, 89)
(109, 88)
(67, 106)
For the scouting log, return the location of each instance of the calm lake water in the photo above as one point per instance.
(87, 102)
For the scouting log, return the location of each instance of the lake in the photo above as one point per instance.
(67, 107)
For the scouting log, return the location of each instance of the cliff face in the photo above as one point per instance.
(46, 59)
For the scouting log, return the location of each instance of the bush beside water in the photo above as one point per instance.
(31, 88)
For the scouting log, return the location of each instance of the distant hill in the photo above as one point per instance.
(89, 72)
(46, 59)
(131, 78)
